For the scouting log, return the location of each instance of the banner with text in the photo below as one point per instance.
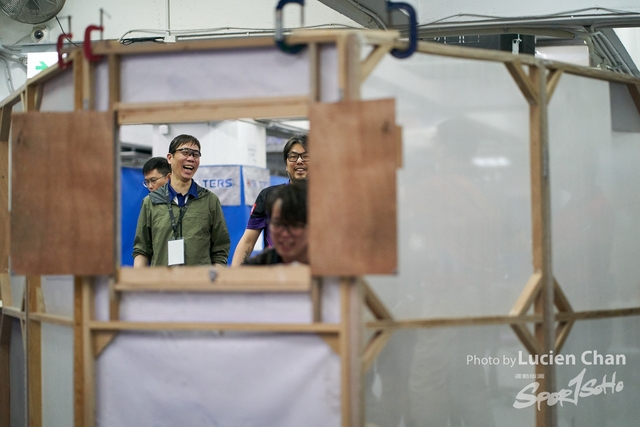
(223, 181)
(255, 180)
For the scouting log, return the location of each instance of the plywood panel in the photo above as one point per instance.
(5, 122)
(352, 188)
(63, 197)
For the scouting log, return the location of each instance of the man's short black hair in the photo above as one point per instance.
(157, 163)
(294, 203)
(300, 138)
(181, 140)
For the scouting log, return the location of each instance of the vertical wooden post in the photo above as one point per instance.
(34, 354)
(541, 224)
(5, 124)
(352, 392)
(114, 81)
(83, 361)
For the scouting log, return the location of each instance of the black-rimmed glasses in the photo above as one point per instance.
(293, 157)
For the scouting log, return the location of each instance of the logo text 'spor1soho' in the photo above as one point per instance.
(575, 391)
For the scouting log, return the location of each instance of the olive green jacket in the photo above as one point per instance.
(206, 238)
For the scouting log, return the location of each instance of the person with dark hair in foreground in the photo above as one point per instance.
(296, 159)
(287, 209)
(181, 223)
(156, 173)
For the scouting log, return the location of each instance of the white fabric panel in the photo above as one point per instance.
(464, 209)
(58, 295)
(595, 204)
(17, 378)
(57, 376)
(329, 87)
(102, 86)
(331, 300)
(57, 94)
(102, 298)
(254, 180)
(192, 379)
(224, 74)
(223, 307)
(18, 287)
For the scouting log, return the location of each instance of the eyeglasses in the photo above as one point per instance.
(150, 181)
(187, 152)
(294, 229)
(293, 157)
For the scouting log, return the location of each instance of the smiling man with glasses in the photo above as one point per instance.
(296, 159)
(180, 222)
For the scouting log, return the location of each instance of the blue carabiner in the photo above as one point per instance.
(413, 29)
(279, 36)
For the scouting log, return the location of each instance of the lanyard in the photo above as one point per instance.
(175, 225)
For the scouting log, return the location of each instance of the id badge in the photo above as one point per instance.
(176, 252)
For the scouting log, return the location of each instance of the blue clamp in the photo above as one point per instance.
(279, 37)
(413, 29)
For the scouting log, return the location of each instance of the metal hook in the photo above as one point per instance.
(413, 29)
(279, 36)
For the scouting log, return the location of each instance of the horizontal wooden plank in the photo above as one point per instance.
(507, 320)
(51, 318)
(110, 47)
(276, 278)
(202, 111)
(296, 328)
(13, 312)
(452, 321)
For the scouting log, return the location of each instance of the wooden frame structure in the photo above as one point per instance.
(553, 314)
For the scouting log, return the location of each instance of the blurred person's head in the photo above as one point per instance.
(296, 157)
(287, 208)
(156, 172)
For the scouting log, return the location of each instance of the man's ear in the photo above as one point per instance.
(169, 157)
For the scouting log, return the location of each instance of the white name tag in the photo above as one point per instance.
(176, 252)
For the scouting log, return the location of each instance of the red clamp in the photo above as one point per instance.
(86, 46)
(61, 62)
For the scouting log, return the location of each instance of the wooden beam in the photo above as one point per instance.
(114, 80)
(527, 339)
(289, 328)
(560, 299)
(14, 312)
(374, 304)
(315, 91)
(352, 392)
(351, 71)
(527, 296)
(5, 126)
(277, 278)
(316, 299)
(452, 321)
(197, 111)
(562, 333)
(88, 85)
(32, 97)
(634, 91)
(83, 361)
(51, 318)
(100, 341)
(78, 79)
(552, 82)
(374, 347)
(374, 58)
(523, 81)
(34, 354)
